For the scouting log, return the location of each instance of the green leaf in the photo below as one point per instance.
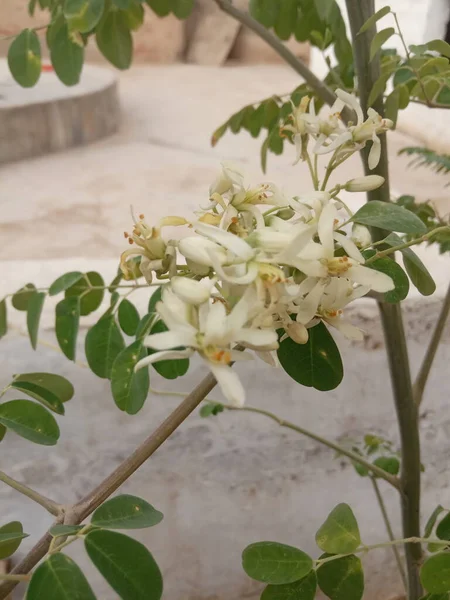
(64, 282)
(128, 317)
(24, 58)
(342, 579)
(3, 431)
(435, 573)
(264, 11)
(154, 299)
(378, 88)
(218, 134)
(34, 316)
(3, 319)
(379, 39)
(58, 530)
(83, 15)
(114, 39)
(11, 535)
(130, 388)
(160, 7)
(126, 512)
(182, 8)
(59, 578)
(439, 46)
(134, 16)
(211, 409)
(41, 394)
(443, 529)
(169, 369)
(126, 564)
(271, 562)
(374, 18)
(417, 271)
(444, 596)
(340, 532)
(388, 216)
(395, 272)
(315, 364)
(305, 589)
(286, 19)
(56, 384)
(31, 421)
(390, 464)
(21, 299)
(392, 105)
(90, 299)
(67, 56)
(104, 342)
(432, 520)
(66, 325)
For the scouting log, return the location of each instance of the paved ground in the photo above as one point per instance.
(76, 203)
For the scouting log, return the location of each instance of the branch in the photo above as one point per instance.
(53, 507)
(424, 372)
(321, 89)
(78, 512)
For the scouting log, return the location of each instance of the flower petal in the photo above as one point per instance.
(266, 338)
(349, 246)
(375, 152)
(307, 308)
(380, 282)
(216, 324)
(226, 239)
(325, 228)
(190, 290)
(229, 382)
(350, 331)
(165, 355)
(169, 339)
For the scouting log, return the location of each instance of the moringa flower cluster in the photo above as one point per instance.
(254, 263)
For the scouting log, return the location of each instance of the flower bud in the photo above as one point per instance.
(364, 184)
(285, 214)
(189, 290)
(361, 236)
(297, 332)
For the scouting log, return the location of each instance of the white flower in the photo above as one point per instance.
(361, 235)
(364, 184)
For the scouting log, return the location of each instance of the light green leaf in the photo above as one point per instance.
(378, 88)
(22, 297)
(126, 512)
(342, 579)
(392, 105)
(264, 11)
(340, 532)
(439, 46)
(91, 291)
(128, 317)
(443, 529)
(379, 39)
(83, 15)
(444, 596)
(182, 8)
(34, 316)
(127, 565)
(59, 578)
(114, 39)
(104, 342)
(374, 18)
(160, 7)
(271, 562)
(41, 394)
(435, 573)
(305, 589)
(3, 319)
(211, 409)
(130, 388)
(66, 55)
(286, 19)
(390, 464)
(389, 216)
(31, 421)
(134, 16)
(56, 384)
(315, 364)
(11, 536)
(66, 325)
(432, 520)
(24, 58)
(64, 282)
(58, 530)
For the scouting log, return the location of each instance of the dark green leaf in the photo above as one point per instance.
(315, 364)
(104, 342)
(264, 11)
(395, 272)
(114, 39)
(64, 282)
(35, 306)
(160, 7)
(379, 39)
(342, 579)
(145, 325)
(67, 56)
(130, 388)
(58, 530)
(43, 395)
(3, 431)
(305, 589)
(128, 317)
(182, 8)
(211, 409)
(154, 298)
(432, 520)
(374, 18)
(126, 512)
(392, 105)
(389, 216)
(286, 19)
(340, 532)
(59, 578)
(135, 16)
(390, 464)
(24, 58)
(90, 289)
(444, 596)
(123, 4)
(435, 573)
(169, 369)
(3, 319)
(21, 299)
(31, 421)
(275, 563)
(83, 15)
(11, 536)
(378, 88)
(443, 529)
(66, 325)
(56, 384)
(127, 565)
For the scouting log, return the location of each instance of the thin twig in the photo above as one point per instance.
(390, 532)
(424, 372)
(53, 507)
(419, 240)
